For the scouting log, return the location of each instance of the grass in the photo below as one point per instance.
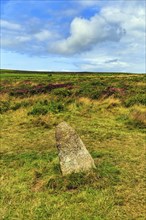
(111, 123)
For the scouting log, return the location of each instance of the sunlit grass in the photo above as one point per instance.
(32, 186)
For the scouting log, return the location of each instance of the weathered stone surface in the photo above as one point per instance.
(73, 154)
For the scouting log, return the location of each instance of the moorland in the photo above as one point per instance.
(108, 112)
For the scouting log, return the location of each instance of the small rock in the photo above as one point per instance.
(73, 154)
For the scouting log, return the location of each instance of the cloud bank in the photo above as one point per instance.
(90, 35)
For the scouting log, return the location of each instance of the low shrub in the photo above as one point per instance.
(38, 89)
(43, 107)
(19, 92)
(62, 92)
(135, 99)
(88, 91)
(4, 106)
(56, 106)
(7, 105)
(39, 109)
(20, 105)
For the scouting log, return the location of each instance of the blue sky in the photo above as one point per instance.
(73, 35)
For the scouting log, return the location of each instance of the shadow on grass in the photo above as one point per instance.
(105, 174)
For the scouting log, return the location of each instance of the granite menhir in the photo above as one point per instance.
(73, 155)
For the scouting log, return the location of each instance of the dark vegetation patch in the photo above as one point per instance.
(109, 91)
(43, 107)
(138, 98)
(104, 174)
(9, 105)
(38, 89)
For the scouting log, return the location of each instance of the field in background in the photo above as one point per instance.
(107, 111)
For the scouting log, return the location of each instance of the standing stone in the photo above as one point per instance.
(73, 154)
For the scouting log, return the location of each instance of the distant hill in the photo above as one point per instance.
(56, 72)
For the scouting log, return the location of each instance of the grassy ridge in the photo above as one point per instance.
(108, 112)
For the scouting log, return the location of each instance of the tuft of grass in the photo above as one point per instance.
(137, 117)
(109, 103)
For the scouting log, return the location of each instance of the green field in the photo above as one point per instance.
(107, 111)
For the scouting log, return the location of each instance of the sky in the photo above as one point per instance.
(73, 35)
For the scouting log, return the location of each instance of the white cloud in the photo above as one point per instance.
(105, 62)
(9, 25)
(15, 40)
(43, 35)
(130, 18)
(84, 33)
(22, 39)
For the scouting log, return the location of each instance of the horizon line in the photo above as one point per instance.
(69, 71)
